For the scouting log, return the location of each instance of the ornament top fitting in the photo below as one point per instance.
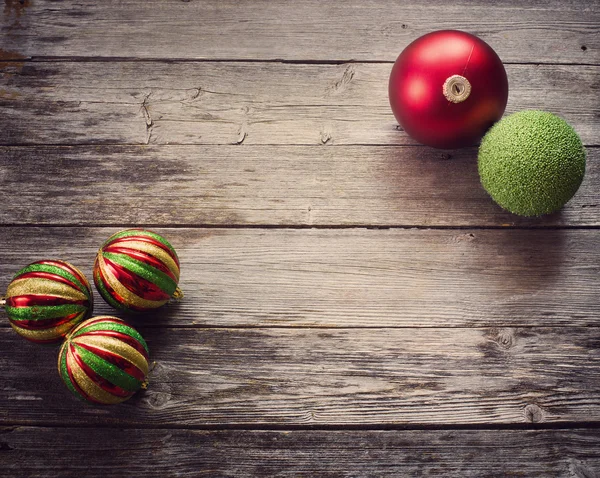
(456, 88)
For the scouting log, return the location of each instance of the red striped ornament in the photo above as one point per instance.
(137, 270)
(46, 299)
(104, 361)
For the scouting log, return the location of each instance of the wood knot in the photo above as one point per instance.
(325, 135)
(157, 399)
(468, 237)
(505, 339)
(580, 470)
(533, 413)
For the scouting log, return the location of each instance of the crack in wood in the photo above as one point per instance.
(341, 84)
(147, 117)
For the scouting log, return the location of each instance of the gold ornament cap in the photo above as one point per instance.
(456, 88)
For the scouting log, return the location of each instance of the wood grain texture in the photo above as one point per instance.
(257, 137)
(255, 377)
(540, 31)
(32, 452)
(263, 185)
(249, 103)
(355, 277)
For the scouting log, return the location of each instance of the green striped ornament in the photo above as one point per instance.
(104, 361)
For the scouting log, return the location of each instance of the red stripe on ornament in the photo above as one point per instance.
(39, 300)
(44, 324)
(128, 339)
(103, 383)
(115, 359)
(117, 297)
(142, 257)
(67, 267)
(147, 239)
(134, 283)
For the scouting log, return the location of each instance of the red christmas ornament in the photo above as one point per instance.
(447, 88)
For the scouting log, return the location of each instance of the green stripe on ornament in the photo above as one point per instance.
(65, 374)
(106, 294)
(56, 271)
(109, 371)
(122, 328)
(41, 312)
(153, 235)
(148, 272)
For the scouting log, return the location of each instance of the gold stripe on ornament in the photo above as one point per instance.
(116, 346)
(41, 286)
(61, 352)
(82, 277)
(157, 252)
(46, 334)
(128, 297)
(64, 328)
(88, 385)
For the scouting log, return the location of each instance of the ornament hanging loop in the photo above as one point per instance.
(178, 294)
(456, 89)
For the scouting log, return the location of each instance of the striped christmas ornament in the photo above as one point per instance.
(104, 361)
(46, 299)
(137, 270)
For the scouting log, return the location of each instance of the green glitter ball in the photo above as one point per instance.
(531, 163)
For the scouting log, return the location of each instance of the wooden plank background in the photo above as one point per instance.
(556, 31)
(300, 377)
(357, 277)
(297, 186)
(356, 305)
(306, 453)
(255, 103)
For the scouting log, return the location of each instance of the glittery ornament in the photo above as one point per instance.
(104, 360)
(137, 270)
(46, 299)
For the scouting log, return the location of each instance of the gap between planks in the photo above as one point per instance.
(333, 227)
(124, 59)
(270, 427)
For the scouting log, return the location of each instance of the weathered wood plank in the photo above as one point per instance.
(26, 451)
(331, 377)
(540, 31)
(253, 103)
(355, 277)
(263, 185)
